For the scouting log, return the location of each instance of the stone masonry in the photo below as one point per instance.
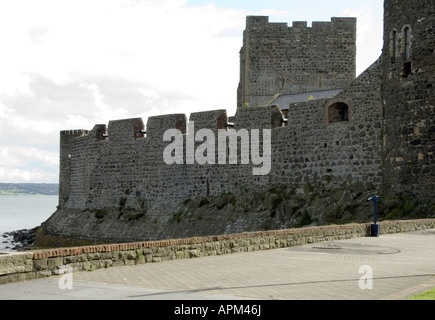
(409, 101)
(44, 263)
(327, 157)
(276, 58)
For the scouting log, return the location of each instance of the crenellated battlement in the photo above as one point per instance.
(213, 120)
(128, 129)
(76, 133)
(99, 132)
(262, 22)
(157, 125)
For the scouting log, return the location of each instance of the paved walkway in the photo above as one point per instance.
(401, 265)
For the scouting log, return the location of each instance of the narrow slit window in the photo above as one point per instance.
(407, 68)
(407, 43)
(407, 65)
(393, 46)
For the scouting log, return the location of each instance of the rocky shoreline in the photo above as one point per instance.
(19, 240)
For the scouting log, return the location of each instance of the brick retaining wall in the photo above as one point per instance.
(44, 263)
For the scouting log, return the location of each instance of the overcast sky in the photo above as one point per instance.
(70, 64)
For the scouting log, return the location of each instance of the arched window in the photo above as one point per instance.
(407, 37)
(338, 112)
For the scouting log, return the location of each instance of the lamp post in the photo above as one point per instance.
(374, 227)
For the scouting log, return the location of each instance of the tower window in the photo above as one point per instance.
(407, 32)
(393, 46)
(338, 112)
(407, 66)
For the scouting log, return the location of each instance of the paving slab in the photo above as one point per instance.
(391, 267)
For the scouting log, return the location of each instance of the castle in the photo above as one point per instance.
(335, 140)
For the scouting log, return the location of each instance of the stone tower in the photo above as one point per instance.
(409, 102)
(277, 59)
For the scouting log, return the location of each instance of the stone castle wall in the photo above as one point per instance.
(408, 90)
(374, 137)
(129, 165)
(116, 184)
(276, 58)
(310, 148)
(103, 171)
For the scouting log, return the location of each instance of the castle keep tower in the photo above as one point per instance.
(277, 59)
(409, 100)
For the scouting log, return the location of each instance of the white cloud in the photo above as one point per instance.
(37, 34)
(23, 164)
(273, 12)
(369, 39)
(74, 63)
(16, 175)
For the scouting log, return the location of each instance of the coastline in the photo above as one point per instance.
(20, 216)
(18, 240)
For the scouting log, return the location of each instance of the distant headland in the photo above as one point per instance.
(29, 188)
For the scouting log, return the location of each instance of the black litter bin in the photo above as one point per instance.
(375, 230)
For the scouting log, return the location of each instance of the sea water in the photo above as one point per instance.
(19, 212)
